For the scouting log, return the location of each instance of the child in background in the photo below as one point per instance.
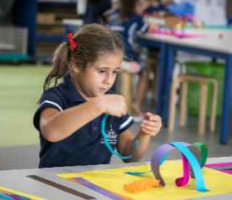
(70, 113)
(95, 11)
(128, 21)
(155, 7)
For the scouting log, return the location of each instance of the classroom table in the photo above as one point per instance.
(4, 46)
(19, 180)
(214, 43)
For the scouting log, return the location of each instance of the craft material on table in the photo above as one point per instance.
(99, 180)
(178, 34)
(192, 155)
(61, 187)
(141, 185)
(188, 158)
(10, 194)
(225, 167)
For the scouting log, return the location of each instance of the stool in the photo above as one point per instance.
(183, 81)
(124, 87)
(124, 83)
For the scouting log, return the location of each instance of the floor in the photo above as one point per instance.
(27, 156)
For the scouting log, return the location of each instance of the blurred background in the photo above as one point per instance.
(30, 30)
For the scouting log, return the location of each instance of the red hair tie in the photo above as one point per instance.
(73, 45)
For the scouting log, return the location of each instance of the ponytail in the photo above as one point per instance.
(60, 65)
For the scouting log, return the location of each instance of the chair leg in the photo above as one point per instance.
(126, 89)
(183, 104)
(203, 103)
(213, 106)
(172, 106)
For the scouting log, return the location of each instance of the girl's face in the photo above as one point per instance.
(97, 78)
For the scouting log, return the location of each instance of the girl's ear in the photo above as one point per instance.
(74, 67)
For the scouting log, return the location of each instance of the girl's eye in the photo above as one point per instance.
(115, 72)
(102, 71)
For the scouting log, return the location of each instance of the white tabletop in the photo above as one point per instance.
(18, 180)
(210, 39)
(6, 46)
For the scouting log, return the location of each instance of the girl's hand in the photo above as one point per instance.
(113, 104)
(151, 124)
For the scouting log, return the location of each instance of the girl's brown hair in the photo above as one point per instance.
(92, 40)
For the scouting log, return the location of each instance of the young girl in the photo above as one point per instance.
(70, 113)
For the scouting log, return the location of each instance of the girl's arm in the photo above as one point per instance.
(138, 146)
(56, 126)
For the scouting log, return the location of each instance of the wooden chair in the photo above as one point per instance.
(183, 80)
(124, 87)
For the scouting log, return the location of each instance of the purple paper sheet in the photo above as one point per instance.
(98, 189)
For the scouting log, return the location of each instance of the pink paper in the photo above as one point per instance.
(177, 34)
(218, 165)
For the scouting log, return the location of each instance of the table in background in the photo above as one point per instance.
(215, 43)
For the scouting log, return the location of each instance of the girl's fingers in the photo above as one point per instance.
(149, 123)
(154, 118)
(150, 130)
(151, 117)
(157, 124)
(151, 133)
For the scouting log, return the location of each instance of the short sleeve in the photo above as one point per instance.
(125, 123)
(49, 99)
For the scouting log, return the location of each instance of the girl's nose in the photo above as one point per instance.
(108, 79)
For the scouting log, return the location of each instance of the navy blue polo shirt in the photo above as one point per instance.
(133, 26)
(85, 146)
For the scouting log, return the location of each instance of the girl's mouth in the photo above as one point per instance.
(103, 89)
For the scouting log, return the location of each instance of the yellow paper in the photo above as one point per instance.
(114, 179)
